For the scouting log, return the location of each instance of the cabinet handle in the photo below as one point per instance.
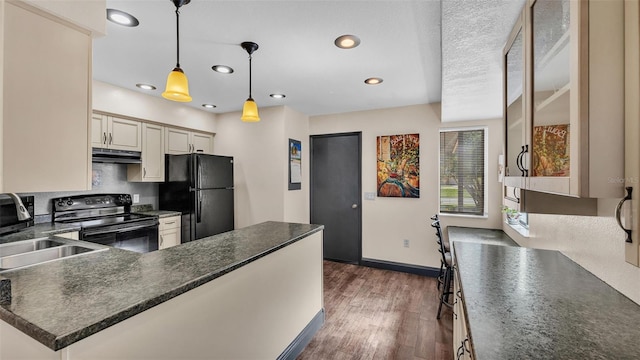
(460, 352)
(104, 137)
(619, 210)
(518, 159)
(169, 223)
(144, 172)
(110, 138)
(161, 240)
(526, 150)
(464, 345)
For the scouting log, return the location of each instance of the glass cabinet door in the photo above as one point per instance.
(550, 145)
(514, 112)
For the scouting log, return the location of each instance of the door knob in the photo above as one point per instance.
(354, 206)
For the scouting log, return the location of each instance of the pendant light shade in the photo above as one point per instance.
(177, 88)
(250, 109)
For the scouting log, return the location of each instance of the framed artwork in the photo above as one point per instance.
(295, 164)
(551, 153)
(398, 165)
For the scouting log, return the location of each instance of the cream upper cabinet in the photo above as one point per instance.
(179, 141)
(115, 133)
(514, 110)
(46, 102)
(573, 99)
(152, 167)
(632, 132)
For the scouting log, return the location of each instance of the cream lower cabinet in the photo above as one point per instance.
(46, 102)
(169, 232)
(461, 339)
(179, 141)
(111, 132)
(152, 167)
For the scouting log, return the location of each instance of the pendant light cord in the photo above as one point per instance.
(178, 36)
(250, 97)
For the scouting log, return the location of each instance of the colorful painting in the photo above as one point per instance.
(399, 165)
(295, 164)
(551, 150)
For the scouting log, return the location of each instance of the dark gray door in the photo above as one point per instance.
(336, 194)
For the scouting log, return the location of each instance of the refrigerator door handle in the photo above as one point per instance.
(199, 210)
(199, 173)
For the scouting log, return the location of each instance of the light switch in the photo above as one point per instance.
(369, 196)
(136, 198)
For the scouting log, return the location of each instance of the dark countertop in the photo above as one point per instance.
(477, 235)
(160, 213)
(538, 304)
(42, 230)
(61, 302)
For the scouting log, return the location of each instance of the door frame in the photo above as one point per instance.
(358, 135)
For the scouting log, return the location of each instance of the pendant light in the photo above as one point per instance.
(177, 84)
(250, 109)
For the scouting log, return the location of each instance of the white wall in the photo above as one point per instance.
(387, 221)
(296, 202)
(260, 153)
(121, 101)
(594, 242)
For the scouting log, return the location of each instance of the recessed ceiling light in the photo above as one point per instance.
(373, 81)
(278, 96)
(146, 86)
(224, 69)
(122, 18)
(209, 106)
(347, 41)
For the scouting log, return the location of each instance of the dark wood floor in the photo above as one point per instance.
(380, 314)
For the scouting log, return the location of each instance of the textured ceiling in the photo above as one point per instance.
(401, 42)
(473, 37)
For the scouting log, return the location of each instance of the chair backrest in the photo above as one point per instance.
(436, 224)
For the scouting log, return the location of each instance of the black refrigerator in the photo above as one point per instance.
(200, 186)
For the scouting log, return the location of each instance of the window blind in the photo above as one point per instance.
(462, 171)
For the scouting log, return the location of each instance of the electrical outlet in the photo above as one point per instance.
(369, 196)
(405, 242)
(136, 198)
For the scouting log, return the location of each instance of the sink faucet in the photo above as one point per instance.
(22, 212)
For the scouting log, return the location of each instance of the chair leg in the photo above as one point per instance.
(446, 290)
(440, 275)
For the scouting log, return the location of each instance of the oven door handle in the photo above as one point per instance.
(117, 231)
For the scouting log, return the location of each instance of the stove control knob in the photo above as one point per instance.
(69, 202)
(60, 203)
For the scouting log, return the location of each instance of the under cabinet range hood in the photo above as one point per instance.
(100, 155)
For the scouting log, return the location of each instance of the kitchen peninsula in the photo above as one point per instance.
(254, 292)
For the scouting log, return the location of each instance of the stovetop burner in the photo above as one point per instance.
(95, 210)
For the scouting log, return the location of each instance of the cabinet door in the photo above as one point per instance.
(46, 143)
(632, 127)
(152, 152)
(553, 137)
(514, 105)
(169, 238)
(99, 131)
(201, 143)
(177, 141)
(124, 134)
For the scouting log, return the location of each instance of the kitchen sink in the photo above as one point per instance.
(24, 246)
(41, 251)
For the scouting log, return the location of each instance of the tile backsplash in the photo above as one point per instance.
(107, 178)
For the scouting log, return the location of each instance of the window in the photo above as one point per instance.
(462, 171)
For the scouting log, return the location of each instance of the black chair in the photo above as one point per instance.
(446, 269)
